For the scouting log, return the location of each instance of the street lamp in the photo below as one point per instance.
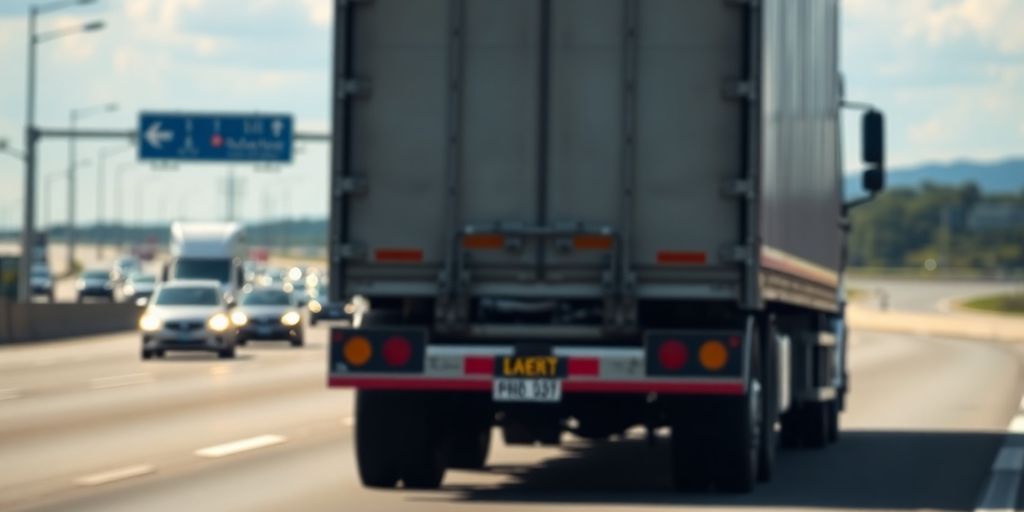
(101, 158)
(118, 196)
(75, 115)
(31, 134)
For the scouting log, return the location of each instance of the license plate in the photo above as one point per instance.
(264, 331)
(527, 390)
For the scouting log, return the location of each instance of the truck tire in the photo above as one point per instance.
(833, 421)
(806, 426)
(469, 447)
(378, 422)
(399, 438)
(720, 446)
(425, 445)
(769, 378)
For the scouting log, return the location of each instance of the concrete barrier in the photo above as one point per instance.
(34, 322)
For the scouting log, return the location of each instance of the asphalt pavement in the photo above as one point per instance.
(86, 426)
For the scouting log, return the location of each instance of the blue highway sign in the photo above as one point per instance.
(215, 137)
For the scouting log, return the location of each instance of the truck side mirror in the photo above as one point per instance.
(874, 180)
(873, 134)
(873, 150)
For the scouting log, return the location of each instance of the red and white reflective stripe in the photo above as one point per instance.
(393, 383)
(588, 370)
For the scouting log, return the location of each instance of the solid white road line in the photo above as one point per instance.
(1003, 487)
(244, 445)
(115, 475)
(117, 381)
(9, 394)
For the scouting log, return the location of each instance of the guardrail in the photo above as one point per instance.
(21, 323)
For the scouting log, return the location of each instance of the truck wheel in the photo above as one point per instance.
(469, 447)
(769, 377)
(425, 445)
(806, 426)
(720, 445)
(833, 421)
(146, 354)
(378, 433)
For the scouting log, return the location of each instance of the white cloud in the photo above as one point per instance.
(992, 22)
(321, 12)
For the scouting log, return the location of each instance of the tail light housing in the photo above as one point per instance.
(377, 350)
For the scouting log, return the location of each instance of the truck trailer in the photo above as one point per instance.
(590, 215)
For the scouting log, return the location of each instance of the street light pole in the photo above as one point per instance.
(101, 190)
(75, 114)
(118, 196)
(28, 236)
(28, 217)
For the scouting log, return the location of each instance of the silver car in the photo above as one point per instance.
(188, 315)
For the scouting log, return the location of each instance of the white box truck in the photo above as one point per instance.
(589, 215)
(208, 250)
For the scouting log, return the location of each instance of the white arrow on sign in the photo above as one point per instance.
(155, 137)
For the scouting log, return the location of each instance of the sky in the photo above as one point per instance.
(948, 73)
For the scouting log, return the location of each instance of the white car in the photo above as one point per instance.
(188, 315)
(138, 288)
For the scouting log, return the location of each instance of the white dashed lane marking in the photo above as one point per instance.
(117, 381)
(9, 394)
(1000, 493)
(243, 445)
(115, 475)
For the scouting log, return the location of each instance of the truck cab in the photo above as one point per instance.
(214, 251)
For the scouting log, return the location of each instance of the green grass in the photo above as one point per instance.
(1012, 303)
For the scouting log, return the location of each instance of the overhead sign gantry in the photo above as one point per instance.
(215, 137)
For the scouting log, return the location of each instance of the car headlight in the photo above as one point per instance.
(80, 285)
(238, 318)
(291, 318)
(149, 323)
(219, 322)
(314, 306)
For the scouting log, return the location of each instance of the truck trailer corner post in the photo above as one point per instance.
(588, 216)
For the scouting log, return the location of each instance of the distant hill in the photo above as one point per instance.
(1003, 177)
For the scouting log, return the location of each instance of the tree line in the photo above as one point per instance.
(939, 226)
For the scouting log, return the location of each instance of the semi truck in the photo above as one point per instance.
(586, 216)
(208, 250)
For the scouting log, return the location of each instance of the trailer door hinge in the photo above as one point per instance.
(353, 88)
(739, 254)
(350, 185)
(739, 188)
(350, 251)
(740, 90)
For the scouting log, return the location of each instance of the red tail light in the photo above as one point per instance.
(397, 351)
(672, 355)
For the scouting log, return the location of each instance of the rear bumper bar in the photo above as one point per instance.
(588, 370)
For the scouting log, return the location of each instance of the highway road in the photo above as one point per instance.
(927, 295)
(86, 426)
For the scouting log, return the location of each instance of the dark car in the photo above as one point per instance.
(41, 281)
(268, 314)
(321, 309)
(95, 283)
